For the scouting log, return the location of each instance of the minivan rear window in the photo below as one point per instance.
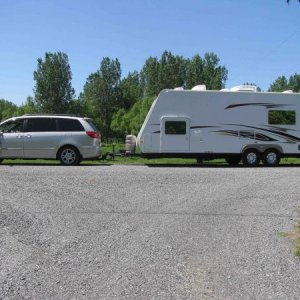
(92, 124)
(69, 125)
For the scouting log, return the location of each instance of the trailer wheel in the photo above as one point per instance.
(271, 158)
(251, 158)
(233, 160)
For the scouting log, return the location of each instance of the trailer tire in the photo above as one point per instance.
(251, 158)
(271, 157)
(233, 160)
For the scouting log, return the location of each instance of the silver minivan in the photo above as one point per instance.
(67, 138)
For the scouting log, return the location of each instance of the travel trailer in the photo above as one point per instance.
(238, 124)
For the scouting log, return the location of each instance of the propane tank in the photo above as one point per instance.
(130, 143)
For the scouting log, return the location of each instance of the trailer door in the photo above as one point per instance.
(175, 134)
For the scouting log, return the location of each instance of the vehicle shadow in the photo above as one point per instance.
(52, 164)
(216, 166)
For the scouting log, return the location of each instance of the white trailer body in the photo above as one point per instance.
(222, 124)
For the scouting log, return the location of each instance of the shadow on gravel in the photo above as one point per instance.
(216, 166)
(156, 165)
(52, 165)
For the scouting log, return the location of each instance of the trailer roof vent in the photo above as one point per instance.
(288, 92)
(180, 88)
(244, 88)
(200, 87)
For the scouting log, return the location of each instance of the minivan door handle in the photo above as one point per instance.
(28, 136)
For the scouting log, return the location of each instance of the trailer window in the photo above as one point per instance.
(282, 117)
(175, 127)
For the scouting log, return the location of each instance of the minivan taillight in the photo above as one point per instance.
(93, 134)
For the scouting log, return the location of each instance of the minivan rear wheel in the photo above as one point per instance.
(69, 156)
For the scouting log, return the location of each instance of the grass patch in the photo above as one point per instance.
(297, 252)
(134, 160)
(295, 236)
(283, 234)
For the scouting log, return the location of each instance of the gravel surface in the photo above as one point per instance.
(138, 232)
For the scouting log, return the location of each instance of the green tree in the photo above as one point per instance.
(130, 122)
(194, 71)
(76, 107)
(7, 109)
(150, 77)
(294, 83)
(206, 71)
(29, 107)
(215, 75)
(279, 85)
(171, 71)
(282, 84)
(53, 89)
(131, 91)
(101, 94)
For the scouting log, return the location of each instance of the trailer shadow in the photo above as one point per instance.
(217, 166)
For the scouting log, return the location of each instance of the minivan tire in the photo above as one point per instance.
(69, 156)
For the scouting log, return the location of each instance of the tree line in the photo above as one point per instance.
(118, 105)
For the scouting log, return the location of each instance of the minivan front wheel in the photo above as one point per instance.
(69, 156)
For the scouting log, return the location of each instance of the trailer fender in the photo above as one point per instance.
(262, 147)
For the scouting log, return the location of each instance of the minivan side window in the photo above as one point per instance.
(69, 125)
(41, 124)
(12, 126)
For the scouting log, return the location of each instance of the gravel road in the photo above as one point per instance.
(138, 232)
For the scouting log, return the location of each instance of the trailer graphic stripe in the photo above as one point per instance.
(247, 134)
(196, 127)
(289, 138)
(192, 127)
(266, 105)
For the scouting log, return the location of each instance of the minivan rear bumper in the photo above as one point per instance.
(90, 152)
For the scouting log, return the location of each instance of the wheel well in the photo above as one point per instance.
(67, 145)
(262, 148)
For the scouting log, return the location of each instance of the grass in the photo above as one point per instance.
(295, 236)
(297, 252)
(134, 160)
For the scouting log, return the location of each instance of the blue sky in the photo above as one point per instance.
(256, 40)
